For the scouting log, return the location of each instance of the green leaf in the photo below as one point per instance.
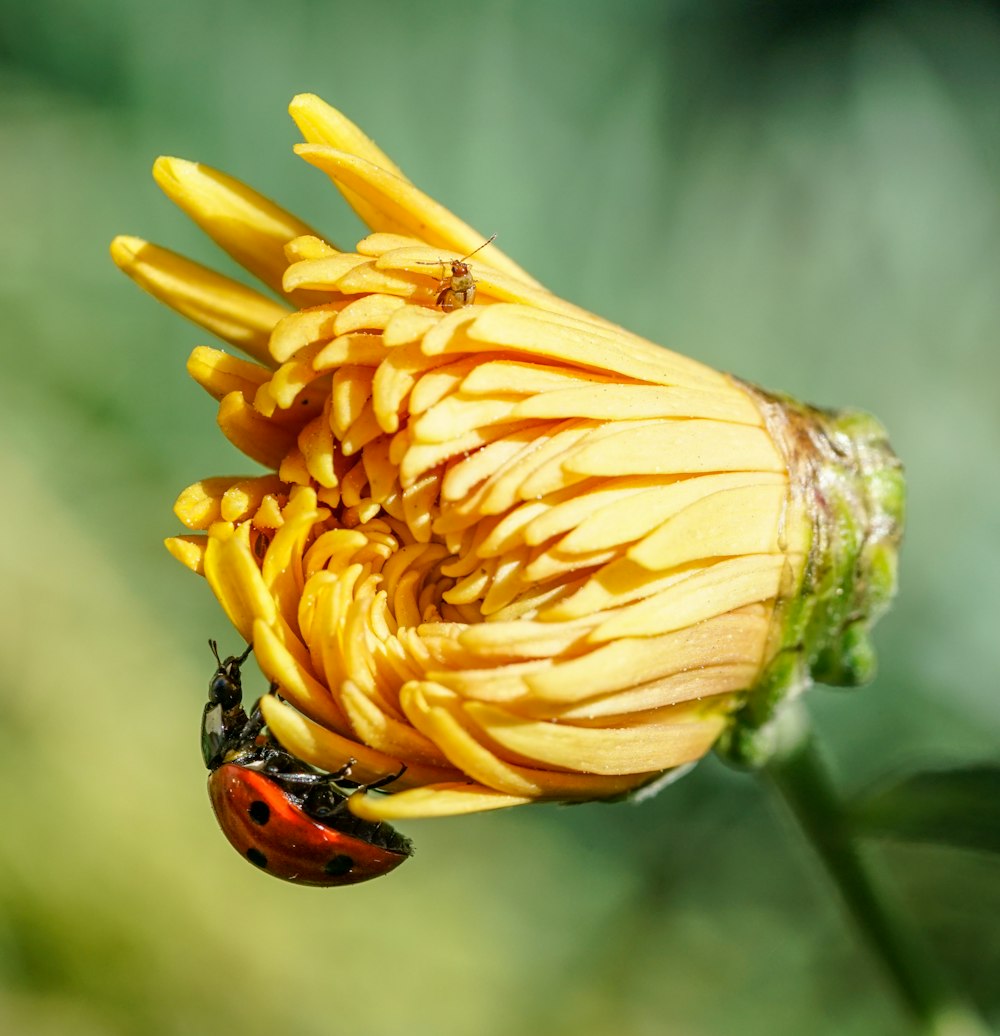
(958, 807)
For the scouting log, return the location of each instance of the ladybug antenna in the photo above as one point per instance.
(239, 660)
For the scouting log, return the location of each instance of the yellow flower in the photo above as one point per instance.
(513, 546)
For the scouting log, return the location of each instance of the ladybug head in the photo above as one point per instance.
(225, 687)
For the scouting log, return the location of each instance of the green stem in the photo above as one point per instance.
(801, 776)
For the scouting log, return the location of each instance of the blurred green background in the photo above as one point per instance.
(805, 194)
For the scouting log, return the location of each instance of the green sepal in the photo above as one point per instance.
(850, 488)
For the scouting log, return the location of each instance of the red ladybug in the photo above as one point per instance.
(280, 814)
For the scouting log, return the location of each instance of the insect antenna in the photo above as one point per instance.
(488, 241)
(441, 262)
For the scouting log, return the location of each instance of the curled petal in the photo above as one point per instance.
(250, 227)
(321, 747)
(222, 306)
(440, 717)
(393, 205)
(434, 800)
(189, 551)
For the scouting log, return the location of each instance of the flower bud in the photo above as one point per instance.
(503, 542)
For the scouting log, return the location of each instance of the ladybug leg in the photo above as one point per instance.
(255, 723)
(259, 751)
(383, 781)
(283, 768)
(253, 726)
(341, 775)
(322, 795)
(327, 799)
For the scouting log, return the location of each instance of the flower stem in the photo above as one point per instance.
(801, 776)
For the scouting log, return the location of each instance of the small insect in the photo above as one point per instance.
(459, 288)
(260, 545)
(276, 811)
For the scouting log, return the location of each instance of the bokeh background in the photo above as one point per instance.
(807, 194)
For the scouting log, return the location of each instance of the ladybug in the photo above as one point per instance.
(458, 289)
(277, 812)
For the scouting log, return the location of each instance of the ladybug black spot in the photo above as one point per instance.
(260, 812)
(257, 858)
(340, 864)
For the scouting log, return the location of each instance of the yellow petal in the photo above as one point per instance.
(629, 503)
(244, 498)
(379, 730)
(539, 449)
(586, 343)
(235, 579)
(295, 681)
(321, 274)
(675, 447)
(222, 306)
(251, 228)
(545, 380)
(359, 348)
(369, 278)
(471, 481)
(743, 520)
(444, 725)
(620, 664)
(695, 684)
(438, 382)
(304, 328)
(432, 800)
(720, 588)
(218, 373)
(283, 567)
(457, 414)
(383, 479)
(308, 247)
(199, 505)
(290, 379)
(368, 313)
(189, 551)
(409, 324)
(258, 437)
(317, 446)
(509, 641)
(320, 123)
(628, 509)
(322, 748)
(393, 205)
(614, 402)
(669, 737)
(422, 458)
